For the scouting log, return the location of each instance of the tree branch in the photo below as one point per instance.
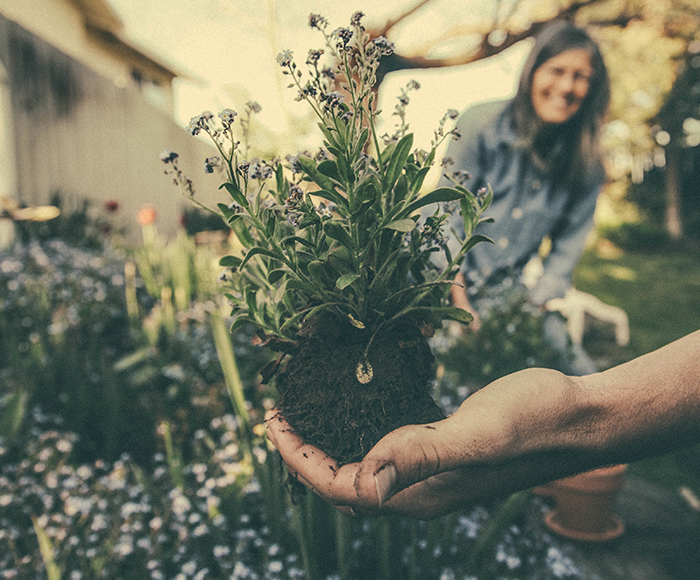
(484, 49)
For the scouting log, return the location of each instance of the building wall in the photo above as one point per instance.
(79, 134)
(62, 24)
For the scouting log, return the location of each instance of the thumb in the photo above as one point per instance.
(403, 457)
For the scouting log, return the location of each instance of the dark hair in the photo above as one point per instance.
(570, 150)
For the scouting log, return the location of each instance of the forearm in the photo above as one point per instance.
(539, 425)
(648, 406)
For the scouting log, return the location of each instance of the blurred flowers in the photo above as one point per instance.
(146, 215)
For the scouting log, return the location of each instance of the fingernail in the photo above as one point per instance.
(384, 481)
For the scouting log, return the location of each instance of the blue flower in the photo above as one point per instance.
(227, 116)
(284, 58)
(193, 127)
(253, 106)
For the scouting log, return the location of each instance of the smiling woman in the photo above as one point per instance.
(560, 85)
(539, 153)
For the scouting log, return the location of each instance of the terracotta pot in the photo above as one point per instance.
(584, 504)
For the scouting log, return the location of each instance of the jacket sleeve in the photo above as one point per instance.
(568, 241)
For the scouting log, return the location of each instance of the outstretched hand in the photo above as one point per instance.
(426, 471)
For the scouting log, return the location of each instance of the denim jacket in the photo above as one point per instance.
(527, 206)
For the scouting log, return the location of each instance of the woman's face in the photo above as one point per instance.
(560, 84)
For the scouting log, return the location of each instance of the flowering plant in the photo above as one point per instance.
(340, 230)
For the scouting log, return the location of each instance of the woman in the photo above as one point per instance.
(539, 153)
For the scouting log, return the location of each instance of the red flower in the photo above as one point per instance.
(146, 215)
(112, 205)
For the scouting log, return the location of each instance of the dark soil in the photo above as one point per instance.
(322, 399)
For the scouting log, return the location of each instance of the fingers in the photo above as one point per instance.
(398, 475)
(311, 466)
(402, 458)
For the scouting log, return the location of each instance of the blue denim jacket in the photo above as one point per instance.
(527, 206)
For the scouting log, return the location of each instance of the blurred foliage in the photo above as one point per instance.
(510, 339)
(79, 224)
(114, 342)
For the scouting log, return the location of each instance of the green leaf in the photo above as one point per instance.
(53, 572)
(404, 225)
(270, 223)
(345, 280)
(292, 320)
(279, 176)
(256, 252)
(230, 262)
(303, 241)
(474, 240)
(296, 284)
(334, 229)
(12, 414)
(468, 216)
(323, 181)
(328, 134)
(235, 193)
(240, 228)
(400, 189)
(436, 196)
(361, 142)
(329, 168)
(227, 212)
(275, 275)
(345, 170)
(321, 307)
(334, 196)
(397, 161)
(442, 313)
(318, 271)
(340, 258)
(417, 181)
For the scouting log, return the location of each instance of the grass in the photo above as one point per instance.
(660, 293)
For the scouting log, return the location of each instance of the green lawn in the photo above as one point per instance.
(660, 293)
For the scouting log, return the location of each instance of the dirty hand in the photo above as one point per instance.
(496, 443)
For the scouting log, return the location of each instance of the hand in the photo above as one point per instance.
(482, 452)
(523, 430)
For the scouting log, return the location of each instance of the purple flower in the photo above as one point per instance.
(356, 18)
(317, 21)
(333, 99)
(314, 56)
(383, 46)
(344, 35)
(210, 163)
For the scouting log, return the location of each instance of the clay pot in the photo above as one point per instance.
(584, 504)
